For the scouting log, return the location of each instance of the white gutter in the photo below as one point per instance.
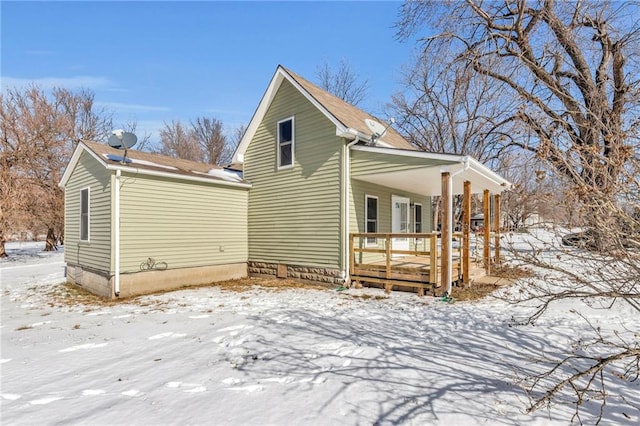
(350, 133)
(176, 176)
(466, 165)
(116, 230)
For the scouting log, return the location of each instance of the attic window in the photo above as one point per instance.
(285, 143)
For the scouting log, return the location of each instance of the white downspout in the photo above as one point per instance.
(466, 165)
(116, 230)
(347, 187)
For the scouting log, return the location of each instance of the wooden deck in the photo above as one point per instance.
(375, 260)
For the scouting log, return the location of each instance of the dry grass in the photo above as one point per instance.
(476, 291)
(271, 284)
(24, 327)
(501, 276)
(511, 272)
(69, 294)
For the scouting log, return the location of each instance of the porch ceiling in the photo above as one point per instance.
(427, 180)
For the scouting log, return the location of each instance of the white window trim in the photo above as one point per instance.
(293, 143)
(415, 216)
(366, 219)
(88, 188)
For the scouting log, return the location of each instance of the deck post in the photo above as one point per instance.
(433, 254)
(387, 287)
(352, 259)
(466, 227)
(445, 241)
(496, 227)
(486, 251)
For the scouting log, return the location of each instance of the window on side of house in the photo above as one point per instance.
(418, 218)
(84, 214)
(286, 143)
(371, 215)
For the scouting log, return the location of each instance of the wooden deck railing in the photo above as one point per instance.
(373, 258)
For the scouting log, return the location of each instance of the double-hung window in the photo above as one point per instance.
(371, 215)
(286, 143)
(84, 214)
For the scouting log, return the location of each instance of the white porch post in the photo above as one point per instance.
(445, 254)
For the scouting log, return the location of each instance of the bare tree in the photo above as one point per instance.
(571, 69)
(446, 107)
(342, 82)
(209, 134)
(178, 141)
(204, 140)
(39, 133)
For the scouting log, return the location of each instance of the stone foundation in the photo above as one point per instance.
(312, 274)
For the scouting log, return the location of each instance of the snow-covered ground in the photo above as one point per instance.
(298, 356)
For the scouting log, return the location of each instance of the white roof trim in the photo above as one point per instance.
(74, 161)
(129, 169)
(408, 153)
(474, 165)
(280, 75)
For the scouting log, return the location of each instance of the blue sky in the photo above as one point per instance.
(159, 61)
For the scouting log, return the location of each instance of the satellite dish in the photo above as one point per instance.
(376, 128)
(120, 139)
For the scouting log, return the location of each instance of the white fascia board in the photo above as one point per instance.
(408, 153)
(480, 168)
(474, 164)
(277, 79)
(74, 161)
(176, 176)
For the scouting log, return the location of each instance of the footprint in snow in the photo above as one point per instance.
(248, 389)
(285, 379)
(316, 380)
(10, 396)
(168, 334)
(45, 401)
(91, 392)
(236, 327)
(192, 387)
(36, 324)
(85, 346)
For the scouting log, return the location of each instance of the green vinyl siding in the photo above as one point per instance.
(294, 213)
(96, 252)
(367, 163)
(357, 219)
(184, 224)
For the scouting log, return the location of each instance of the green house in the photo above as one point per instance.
(148, 222)
(317, 173)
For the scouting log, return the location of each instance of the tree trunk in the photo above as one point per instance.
(3, 252)
(436, 214)
(51, 240)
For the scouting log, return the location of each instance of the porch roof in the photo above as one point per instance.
(425, 179)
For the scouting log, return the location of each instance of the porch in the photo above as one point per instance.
(410, 260)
